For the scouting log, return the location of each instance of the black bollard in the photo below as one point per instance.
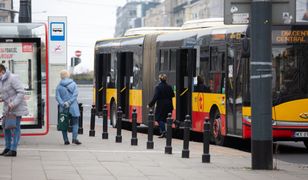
(185, 151)
(105, 123)
(134, 140)
(80, 129)
(119, 126)
(150, 143)
(168, 148)
(206, 157)
(92, 122)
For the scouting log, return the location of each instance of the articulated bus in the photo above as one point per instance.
(126, 71)
(23, 51)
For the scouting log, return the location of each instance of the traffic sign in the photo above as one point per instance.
(57, 31)
(77, 53)
(239, 12)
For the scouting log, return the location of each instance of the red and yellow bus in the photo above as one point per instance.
(126, 71)
(24, 51)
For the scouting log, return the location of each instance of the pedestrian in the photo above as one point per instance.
(200, 87)
(12, 96)
(66, 96)
(163, 98)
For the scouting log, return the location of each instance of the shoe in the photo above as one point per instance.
(163, 135)
(66, 143)
(4, 152)
(11, 154)
(76, 142)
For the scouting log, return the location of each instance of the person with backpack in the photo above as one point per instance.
(66, 96)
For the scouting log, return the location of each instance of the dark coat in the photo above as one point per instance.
(201, 88)
(163, 98)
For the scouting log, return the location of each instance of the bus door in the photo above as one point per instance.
(186, 60)
(102, 75)
(234, 91)
(124, 78)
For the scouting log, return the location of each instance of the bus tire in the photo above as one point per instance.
(217, 137)
(306, 143)
(113, 114)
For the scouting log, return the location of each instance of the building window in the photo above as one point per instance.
(132, 13)
(2, 19)
(2, 5)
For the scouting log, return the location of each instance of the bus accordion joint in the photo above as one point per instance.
(100, 89)
(123, 89)
(184, 92)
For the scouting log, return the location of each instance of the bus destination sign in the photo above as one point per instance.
(290, 36)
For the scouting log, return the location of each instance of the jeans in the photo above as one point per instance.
(162, 127)
(75, 126)
(12, 136)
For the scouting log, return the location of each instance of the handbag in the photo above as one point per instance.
(10, 121)
(63, 120)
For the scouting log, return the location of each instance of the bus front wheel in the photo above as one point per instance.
(217, 137)
(113, 114)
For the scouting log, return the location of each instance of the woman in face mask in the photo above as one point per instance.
(12, 96)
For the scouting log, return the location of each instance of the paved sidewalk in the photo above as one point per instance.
(46, 157)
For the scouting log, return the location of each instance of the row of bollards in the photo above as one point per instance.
(150, 143)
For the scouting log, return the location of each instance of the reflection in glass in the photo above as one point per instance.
(290, 77)
(302, 11)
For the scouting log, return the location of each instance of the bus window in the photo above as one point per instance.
(216, 70)
(204, 65)
(172, 60)
(289, 72)
(164, 60)
(137, 76)
(113, 72)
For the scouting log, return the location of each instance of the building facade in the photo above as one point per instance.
(5, 11)
(176, 12)
(132, 14)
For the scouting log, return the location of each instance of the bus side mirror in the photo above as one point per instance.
(245, 48)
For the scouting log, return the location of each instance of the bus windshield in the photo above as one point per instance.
(290, 75)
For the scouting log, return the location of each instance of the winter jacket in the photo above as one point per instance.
(67, 92)
(163, 98)
(12, 91)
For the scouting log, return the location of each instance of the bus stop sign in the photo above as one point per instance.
(238, 12)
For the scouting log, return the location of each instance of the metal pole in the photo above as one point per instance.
(119, 125)
(80, 129)
(185, 151)
(150, 143)
(92, 122)
(168, 148)
(206, 157)
(261, 83)
(105, 123)
(134, 140)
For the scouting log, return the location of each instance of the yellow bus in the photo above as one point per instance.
(126, 71)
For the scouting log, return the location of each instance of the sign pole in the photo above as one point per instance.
(261, 83)
(57, 48)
